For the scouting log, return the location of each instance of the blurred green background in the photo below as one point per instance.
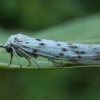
(64, 20)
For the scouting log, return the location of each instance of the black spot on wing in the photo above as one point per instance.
(79, 56)
(64, 49)
(35, 51)
(42, 44)
(61, 54)
(27, 42)
(58, 44)
(82, 52)
(79, 52)
(25, 46)
(38, 39)
(73, 46)
(17, 40)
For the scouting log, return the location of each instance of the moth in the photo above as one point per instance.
(24, 46)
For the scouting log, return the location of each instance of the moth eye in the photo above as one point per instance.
(8, 49)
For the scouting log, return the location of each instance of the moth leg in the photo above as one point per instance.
(29, 57)
(11, 56)
(17, 57)
(28, 60)
(55, 63)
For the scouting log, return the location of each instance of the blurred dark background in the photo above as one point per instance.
(39, 14)
(59, 84)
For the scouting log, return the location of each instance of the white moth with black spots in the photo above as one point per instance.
(25, 46)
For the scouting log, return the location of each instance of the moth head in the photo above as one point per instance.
(8, 49)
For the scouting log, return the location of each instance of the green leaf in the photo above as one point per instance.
(83, 30)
